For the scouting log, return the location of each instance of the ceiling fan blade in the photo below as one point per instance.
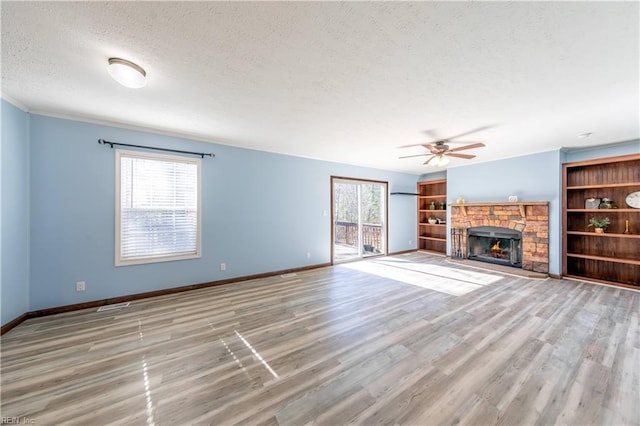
(410, 146)
(465, 156)
(427, 162)
(461, 142)
(479, 129)
(433, 134)
(473, 145)
(410, 156)
(431, 148)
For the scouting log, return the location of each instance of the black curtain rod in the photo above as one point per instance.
(201, 154)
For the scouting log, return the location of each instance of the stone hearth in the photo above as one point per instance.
(532, 219)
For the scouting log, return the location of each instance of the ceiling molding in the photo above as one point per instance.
(133, 127)
(196, 138)
(14, 102)
(606, 145)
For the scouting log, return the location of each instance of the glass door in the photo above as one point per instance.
(372, 197)
(359, 219)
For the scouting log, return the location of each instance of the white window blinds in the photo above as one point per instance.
(157, 208)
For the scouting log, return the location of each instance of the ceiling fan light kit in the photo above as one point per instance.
(438, 161)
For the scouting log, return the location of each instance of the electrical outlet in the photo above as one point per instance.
(223, 266)
(308, 255)
(409, 242)
(80, 286)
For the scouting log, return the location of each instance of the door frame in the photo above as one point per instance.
(385, 234)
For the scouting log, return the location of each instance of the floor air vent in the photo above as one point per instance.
(112, 307)
(293, 274)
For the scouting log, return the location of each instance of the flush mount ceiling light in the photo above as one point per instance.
(585, 135)
(127, 73)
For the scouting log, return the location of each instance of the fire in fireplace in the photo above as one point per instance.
(495, 245)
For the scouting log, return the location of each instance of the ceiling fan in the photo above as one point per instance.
(439, 150)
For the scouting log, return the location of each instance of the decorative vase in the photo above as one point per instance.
(432, 206)
(599, 230)
(592, 203)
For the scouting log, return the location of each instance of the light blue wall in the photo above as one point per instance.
(14, 216)
(433, 176)
(262, 212)
(631, 147)
(535, 177)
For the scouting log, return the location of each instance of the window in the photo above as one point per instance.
(157, 208)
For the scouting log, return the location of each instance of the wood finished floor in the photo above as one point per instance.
(410, 339)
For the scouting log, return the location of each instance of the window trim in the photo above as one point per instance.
(119, 261)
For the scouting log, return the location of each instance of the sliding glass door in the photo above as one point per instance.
(359, 218)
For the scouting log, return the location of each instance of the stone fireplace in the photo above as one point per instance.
(511, 234)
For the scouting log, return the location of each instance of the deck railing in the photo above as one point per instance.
(347, 233)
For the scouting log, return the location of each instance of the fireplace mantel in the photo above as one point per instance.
(521, 205)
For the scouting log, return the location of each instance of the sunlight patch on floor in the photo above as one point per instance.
(471, 275)
(445, 279)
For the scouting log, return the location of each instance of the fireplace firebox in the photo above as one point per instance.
(492, 244)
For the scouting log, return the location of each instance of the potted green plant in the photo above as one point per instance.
(599, 224)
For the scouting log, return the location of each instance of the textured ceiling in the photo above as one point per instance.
(347, 82)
